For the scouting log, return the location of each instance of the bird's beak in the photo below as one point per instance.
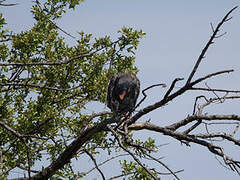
(122, 95)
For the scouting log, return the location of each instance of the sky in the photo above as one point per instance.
(176, 32)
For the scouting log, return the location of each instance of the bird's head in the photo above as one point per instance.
(125, 90)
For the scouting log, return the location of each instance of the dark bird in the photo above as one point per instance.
(122, 93)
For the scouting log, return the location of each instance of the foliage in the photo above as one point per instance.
(44, 95)
(138, 172)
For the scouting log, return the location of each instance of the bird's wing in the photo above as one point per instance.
(111, 85)
(137, 89)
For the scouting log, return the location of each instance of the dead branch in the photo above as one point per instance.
(209, 76)
(95, 163)
(216, 90)
(171, 87)
(234, 165)
(192, 118)
(145, 95)
(104, 162)
(218, 135)
(210, 41)
(164, 165)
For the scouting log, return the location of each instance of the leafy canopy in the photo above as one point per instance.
(46, 83)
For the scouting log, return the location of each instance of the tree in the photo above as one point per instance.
(46, 84)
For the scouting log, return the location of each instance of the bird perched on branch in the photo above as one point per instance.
(122, 93)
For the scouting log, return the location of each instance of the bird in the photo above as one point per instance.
(122, 93)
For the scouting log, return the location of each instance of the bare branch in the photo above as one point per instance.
(234, 165)
(193, 127)
(192, 118)
(95, 163)
(104, 162)
(216, 90)
(145, 95)
(172, 86)
(164, 165)
(210, 41)
(195, 103)
(209, 76)
(216, 135)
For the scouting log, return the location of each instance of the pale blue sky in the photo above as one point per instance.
(176, 33)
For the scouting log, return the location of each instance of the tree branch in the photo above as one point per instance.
(201, 56)
(234, 165)
(171, 87)
(217, 90)
(48, 63)
(209, 76)
(69, 152)
(129, 152)
(95, 163)
(192, 118)
(164, 165)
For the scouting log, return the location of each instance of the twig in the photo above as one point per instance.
(221, 135)
(15, 133)
(164, 165)
(172, 86)
(209, 76)
(48, 63)
(192, 127)
(20, 137)
(236, 129)
(234, 165)
(192, 118)
(214, 92)
(217, 90)
(95, 163)
(145, 95)
(104, 162)
(39, 5)
(195, 103)
(210, 41)
(121, 175)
